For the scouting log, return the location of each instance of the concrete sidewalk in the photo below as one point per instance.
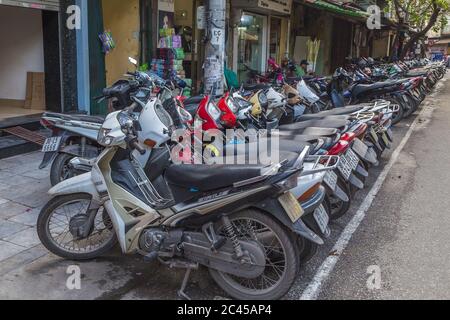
(28, 271)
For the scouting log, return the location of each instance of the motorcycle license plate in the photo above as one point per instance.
(389, 134)
(345, 168)
(385, 139)
(360, 148)
(352, 158)
(331, 180)
(291, 206)
(322, 219)
(374, 135)
(51, 144)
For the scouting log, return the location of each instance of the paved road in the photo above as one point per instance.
(405, 234)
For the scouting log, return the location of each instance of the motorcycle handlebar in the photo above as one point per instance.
(135, 145)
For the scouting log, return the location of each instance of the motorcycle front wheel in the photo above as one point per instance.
(282, 261)
(59, 223)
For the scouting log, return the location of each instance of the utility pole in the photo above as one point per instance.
(215, 47)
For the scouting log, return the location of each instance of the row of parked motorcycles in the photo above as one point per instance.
(146, 179)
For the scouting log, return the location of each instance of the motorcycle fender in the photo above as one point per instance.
(302, 230)
(274, 208)
(356, 182)
(310, 205)
(361, 171)
(369, 157)
(338, 192)
(79, 184)
(49, 157)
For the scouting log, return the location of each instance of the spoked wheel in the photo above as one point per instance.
(282, 260)
(60, 225)
(412, 106)
(396, 116)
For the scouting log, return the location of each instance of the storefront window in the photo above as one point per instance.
(275, 38)
(251, 45)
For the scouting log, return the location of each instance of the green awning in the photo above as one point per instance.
(334, 8)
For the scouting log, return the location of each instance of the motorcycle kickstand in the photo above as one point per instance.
(182, 292)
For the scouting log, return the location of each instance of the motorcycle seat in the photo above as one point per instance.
(322, 123)
(205, 178)
(315, 142)
(75, 117)
(194, 100)
(334, 112)
(363, 88)
(324, 132)
(256, 87)
(192, 109)
(417, 73)
(293, 146)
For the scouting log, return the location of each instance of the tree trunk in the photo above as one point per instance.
(418, 35)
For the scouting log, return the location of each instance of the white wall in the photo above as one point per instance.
(21, 49)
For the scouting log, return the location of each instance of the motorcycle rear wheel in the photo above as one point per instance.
(61, 169)
(284, 269)
(396, 116)
(74, 249)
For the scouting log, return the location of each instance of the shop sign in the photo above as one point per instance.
(282, 6)
(217, 37)
(201, 18)
(166, 5)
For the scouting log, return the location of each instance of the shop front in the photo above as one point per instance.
(29, 58)
(177, 44)
(261, 33)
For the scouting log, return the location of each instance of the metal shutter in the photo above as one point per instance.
(35, 4)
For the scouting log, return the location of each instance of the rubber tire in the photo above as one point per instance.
(57, 167)
(47, 242)
(414, 105)
(292, 263)
(309, 248)
(400, 113)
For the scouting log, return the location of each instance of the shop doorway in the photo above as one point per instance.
(252, 44)
(342, 42)
(29, 62)
(275, 39)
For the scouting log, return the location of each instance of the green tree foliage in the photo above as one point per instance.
(420, 16)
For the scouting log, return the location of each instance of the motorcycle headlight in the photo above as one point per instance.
(234, 106)
(163, 116)
(103, 138)
(124, 119)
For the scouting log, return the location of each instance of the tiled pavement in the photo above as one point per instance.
(28, 271)
(23, 191)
